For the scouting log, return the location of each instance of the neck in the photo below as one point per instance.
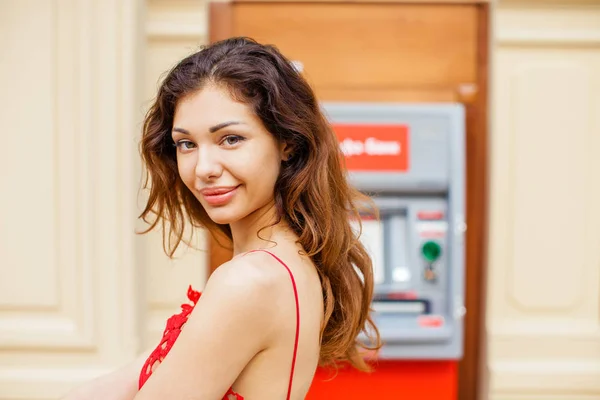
(245, 232)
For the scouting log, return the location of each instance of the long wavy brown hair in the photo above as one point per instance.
(311, 194)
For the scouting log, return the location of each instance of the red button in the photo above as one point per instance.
(430, 215)
(432, 234)
(411, 295)
(430, 321)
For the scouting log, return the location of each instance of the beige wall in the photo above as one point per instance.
(80, 293)
(172, 30)
(544, 247)
(67, 266)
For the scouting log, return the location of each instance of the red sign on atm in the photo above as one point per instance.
(374, 147)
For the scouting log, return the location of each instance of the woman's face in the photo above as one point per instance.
(225, 155)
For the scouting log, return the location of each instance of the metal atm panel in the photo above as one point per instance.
(411, 160)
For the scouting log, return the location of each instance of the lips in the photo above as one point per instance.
(219, 195)
(217, 190)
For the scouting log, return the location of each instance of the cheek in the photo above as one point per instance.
(264, 176)
(260, 170)
(186, 168)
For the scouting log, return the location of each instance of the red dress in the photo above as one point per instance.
(176, 322)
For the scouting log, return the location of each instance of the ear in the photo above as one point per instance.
(285, 151)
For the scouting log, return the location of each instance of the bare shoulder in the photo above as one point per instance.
(249, 273)
(248, 286)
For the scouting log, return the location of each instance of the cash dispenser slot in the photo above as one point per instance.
(406, 307)
(403, 335)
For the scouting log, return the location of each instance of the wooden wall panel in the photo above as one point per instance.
(369, 46)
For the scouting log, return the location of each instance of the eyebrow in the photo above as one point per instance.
(212, 129)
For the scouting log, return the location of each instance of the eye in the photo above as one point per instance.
(232, 140)
(185, 145)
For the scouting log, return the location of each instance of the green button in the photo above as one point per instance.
(431, 251)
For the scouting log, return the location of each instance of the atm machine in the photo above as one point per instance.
(411, 160)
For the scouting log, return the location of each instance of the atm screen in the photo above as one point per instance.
(372, 239)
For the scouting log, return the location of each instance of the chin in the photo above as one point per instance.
(223, 216)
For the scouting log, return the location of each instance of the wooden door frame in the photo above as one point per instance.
(471, 366)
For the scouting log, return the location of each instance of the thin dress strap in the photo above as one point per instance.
(297, 317)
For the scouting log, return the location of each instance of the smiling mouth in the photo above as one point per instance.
(219, 196)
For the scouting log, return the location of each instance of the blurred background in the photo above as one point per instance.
(81, 293)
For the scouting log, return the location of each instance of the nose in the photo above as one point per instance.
(208, 166)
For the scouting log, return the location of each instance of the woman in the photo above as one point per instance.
(236, 143)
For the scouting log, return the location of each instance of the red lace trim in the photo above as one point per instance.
(170, 335)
